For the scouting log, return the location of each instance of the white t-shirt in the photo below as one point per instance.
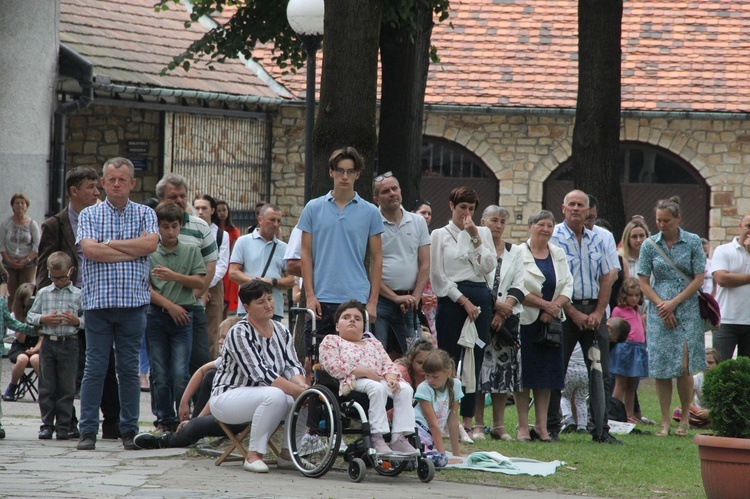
(698, 390)
(440, 403)
(733, 302)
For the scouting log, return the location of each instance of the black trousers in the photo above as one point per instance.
(57, 382)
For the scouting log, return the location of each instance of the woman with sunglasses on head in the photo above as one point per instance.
(462, 261)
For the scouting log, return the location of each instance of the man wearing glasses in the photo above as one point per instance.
(406, 264)
(337, 230)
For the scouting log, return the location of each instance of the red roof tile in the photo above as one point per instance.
(128, 41)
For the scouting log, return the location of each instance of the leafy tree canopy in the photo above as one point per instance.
(265, 22)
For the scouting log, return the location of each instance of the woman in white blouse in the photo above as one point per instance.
(259, 376)
(462, 263)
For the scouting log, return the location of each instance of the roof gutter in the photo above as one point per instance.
(187, 94)
(568, 111)
(71, 64)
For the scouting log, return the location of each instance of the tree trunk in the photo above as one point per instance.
(596, 136)
(405, 62)
(348, 89)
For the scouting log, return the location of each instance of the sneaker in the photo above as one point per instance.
(10, 393)
(148, 441)
(256, 466)
(606, 438)
(402, 446)
(568, 426)
(127, 442)
(87, 441)
(463, 436)
(310, 444)
(73, 432)
(62, 435)
(378, 443)
(647, 421)
(45, 434)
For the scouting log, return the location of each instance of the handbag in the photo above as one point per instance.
(507, 335)
(709, 307)
(550, 334)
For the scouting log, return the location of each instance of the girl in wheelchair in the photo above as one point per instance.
(438, 396)
(361, 364)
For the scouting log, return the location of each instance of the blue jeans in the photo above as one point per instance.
(199, 355)
(391, 318)
(124, 327)
(169, 348)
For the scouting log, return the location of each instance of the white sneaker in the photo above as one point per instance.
(310, 444)
(463, 436)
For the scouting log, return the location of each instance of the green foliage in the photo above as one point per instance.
(726, 393)
(264, 22)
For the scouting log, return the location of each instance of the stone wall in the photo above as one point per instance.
(97, 133)
(523, 150)
(288, 164)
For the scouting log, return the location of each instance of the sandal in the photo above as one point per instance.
(500, 433)
(663, 432)
(477, 432)
(682, 430)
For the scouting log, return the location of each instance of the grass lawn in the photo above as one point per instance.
(645, 466)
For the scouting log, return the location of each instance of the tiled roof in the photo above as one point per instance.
(128, 41)
(677, 55)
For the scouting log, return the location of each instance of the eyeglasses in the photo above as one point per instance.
(59, 278)
(382, 177)
(344, 172)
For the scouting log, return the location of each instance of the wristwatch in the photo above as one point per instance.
(474, 239)
(275, 281)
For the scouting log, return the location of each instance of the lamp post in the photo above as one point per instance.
(306, 19)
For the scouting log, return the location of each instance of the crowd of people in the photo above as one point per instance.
(117, 285)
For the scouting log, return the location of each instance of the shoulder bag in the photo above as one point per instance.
(709, 307)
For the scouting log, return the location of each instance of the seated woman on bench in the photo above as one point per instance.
(362, 364)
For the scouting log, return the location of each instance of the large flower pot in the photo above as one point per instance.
(725, 466)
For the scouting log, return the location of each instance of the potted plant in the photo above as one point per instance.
(725, 456)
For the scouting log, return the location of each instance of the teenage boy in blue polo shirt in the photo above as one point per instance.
(176, 270)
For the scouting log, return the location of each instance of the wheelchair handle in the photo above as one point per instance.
(308, 311)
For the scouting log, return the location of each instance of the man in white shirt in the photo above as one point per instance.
(205, 208)
(731, 272)
(406, 264)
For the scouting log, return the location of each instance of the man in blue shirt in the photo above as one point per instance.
(592, 285)
(116, 237)
(337, 229)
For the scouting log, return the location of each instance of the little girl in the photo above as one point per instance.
(410, 366)
(699, 416)
(438, 396)
(629, 360)
(361, 364)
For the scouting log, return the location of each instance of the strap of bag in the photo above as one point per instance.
(670, 262)
(268, 263)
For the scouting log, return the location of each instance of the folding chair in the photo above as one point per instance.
(27, 384)
(235, 444)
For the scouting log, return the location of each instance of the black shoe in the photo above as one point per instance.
(535, 436)
(606, 438)
(87, 441)
(111, 431)
(554, 437)
(63, 435)
(73, 432)
(10, 393)
(45, 434)
(2, 432)
(127, 442)
(149, 441)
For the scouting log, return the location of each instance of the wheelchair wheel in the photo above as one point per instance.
(357, 470)
(387, 467)
(425, 470)
(314, 431)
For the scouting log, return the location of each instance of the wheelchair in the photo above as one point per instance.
(320, 419)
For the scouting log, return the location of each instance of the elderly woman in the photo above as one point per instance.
(501, 372)
(673, 325)
(463, 261)
(259, 376)
(549, 286)
(19, 244)
(630, 247)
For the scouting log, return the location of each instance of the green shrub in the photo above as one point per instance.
(726, 393)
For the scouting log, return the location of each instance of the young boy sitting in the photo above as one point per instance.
(58, 309)
(176, 269)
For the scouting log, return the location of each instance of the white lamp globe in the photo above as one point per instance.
(306, 16)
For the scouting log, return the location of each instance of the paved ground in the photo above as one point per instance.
(33, 468)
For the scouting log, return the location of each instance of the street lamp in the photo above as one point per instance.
(306, 19)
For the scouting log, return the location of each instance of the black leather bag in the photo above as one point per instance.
(550, 334)
(507, 335)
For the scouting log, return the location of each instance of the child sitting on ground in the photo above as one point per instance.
(58, 308)
(699, 416)
(576, 392)
(438, 396)
(361, 364)
(628, 361)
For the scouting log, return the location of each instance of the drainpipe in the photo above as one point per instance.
(70, 64)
